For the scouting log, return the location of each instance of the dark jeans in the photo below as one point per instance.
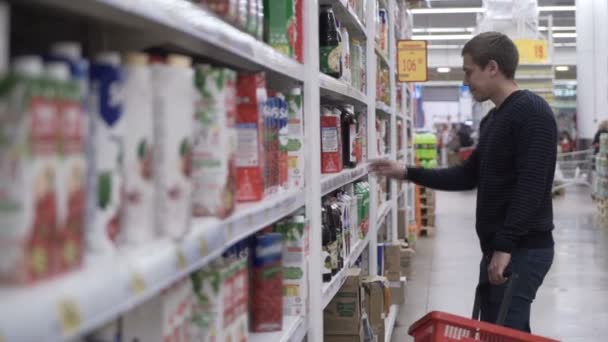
(532, 266)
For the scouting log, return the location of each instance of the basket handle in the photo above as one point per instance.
(506, 300)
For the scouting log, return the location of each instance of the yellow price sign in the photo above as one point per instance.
(412, 61)
(138, 284)
(69, 315)
(532, 51)
(181, 260)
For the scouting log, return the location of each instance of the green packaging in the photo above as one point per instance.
(279, 17)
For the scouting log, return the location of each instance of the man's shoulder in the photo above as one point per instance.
(531, 106)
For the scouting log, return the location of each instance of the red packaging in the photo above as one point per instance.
(299, 39)
(266, 299)
(331, 146)
(250, 128)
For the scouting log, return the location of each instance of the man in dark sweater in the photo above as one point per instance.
(512, 168)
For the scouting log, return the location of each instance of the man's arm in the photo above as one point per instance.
(458, 178)
(534, 164)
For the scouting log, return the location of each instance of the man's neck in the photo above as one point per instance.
(503, 92)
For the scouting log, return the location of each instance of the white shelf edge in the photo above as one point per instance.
(389, 323)
(383, 211)
(333, 181)
(335, 87)
(382, 56)
(190, 20)
(294, 330)
(102, 289)
(533, 77)
(381, 106)
(330, 289)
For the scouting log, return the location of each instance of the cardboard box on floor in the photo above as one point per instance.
(405, 259)
(342, 316)
(376, 304)
(397, 289)
(346, 338)
(392, 261)
(402, 224)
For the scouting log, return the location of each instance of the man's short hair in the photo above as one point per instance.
(495, 46)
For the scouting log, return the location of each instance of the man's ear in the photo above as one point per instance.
(493, 67)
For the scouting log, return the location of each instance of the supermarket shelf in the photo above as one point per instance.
(348, 17)
(188, 26)
(330, 289)
(340, 91)
(106, 287)
(541, 90)
(382, 56)
(384, 108)
(389, 322)
(294, 330)
(384, 209)
(331, 182)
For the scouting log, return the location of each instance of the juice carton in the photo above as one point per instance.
(228, 9)
(137, 221)
(283, 140)
(175, 97)
(215, 141)
(297, 34)
(271, 109)
(107, 131)
(280, 25)
(295, 134)
(295, 232)
(28, 168)
(208, 302)
(266, 304)
(234, 295)
(164, 318)
(250, 127)
(331, 145)
(71, 171)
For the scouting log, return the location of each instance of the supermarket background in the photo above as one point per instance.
(175, 170)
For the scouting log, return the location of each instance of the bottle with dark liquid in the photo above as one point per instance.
(349, 136)
(330, 54)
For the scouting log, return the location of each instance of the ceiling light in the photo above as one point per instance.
(558, 28)
(443, 37)
(451, 10)
(573, 44)
(443, 70)
(454, 10)
(442, 29)
(442, 46)
(556, 8)
(562, 68)
(564, 35)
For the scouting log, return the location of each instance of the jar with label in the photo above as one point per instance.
(330, 57)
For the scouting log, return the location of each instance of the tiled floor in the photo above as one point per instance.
(572, 304)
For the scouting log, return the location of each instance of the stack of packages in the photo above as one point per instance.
(278, 22)
(600, 182)
(249, 289)
(426, 156)
(128, 149)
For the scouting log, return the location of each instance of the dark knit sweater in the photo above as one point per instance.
(512, 168)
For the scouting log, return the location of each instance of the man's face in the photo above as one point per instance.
(480, 80)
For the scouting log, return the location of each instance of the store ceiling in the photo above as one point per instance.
(460, 25)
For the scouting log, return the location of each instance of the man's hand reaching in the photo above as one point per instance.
(388, 168)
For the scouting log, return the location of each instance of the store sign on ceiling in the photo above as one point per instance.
(532, 51)
(412, 60)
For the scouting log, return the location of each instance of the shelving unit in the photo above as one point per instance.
(390, 322)
(109, 286)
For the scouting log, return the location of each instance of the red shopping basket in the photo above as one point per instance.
(444, 327)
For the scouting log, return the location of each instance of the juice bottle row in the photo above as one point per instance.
(345, 221)
(343, 135)
(247, 290)
(128, 149)
(279, 23)
(340, 56)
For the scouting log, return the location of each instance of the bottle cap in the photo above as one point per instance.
(30, 65)
(108, 57)
(58, 71)
(72, 50)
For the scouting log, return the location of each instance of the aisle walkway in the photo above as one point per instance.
(572, 305)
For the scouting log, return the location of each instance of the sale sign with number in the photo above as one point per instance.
(412, 58)
(532, 51)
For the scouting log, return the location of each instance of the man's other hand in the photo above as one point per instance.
(498, 265)
(388, 168)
